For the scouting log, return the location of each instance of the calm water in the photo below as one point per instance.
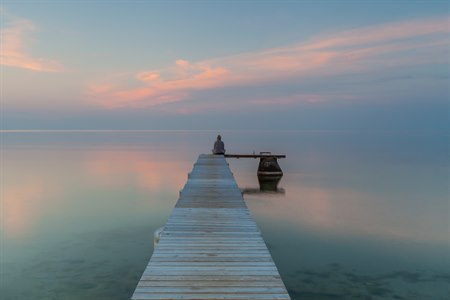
(356, 215)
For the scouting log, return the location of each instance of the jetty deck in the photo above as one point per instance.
(211, 247)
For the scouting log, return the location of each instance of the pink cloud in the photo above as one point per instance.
(15, 37)
(148, 76)
(179, 79)
(386, 33)
(182, 63)
(344, 52)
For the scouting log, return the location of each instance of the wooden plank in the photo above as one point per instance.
(137, 295)
(212, 289)
(210, 283)
(216, 277)
(211, 247)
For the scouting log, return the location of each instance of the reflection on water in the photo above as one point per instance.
(269, 183)
(259, 190)
(362, 217)
(354, 217)
(78, 219)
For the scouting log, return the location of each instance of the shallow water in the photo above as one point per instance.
(356, 215)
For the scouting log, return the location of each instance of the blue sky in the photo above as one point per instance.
(377, 65)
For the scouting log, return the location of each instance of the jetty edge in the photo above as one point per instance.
(211, 248)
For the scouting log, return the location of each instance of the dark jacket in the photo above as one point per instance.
(219, 147)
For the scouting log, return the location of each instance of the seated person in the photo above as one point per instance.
(219, 147)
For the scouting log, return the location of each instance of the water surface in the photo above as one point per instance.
(356, 215)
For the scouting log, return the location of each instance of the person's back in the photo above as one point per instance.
(219, 146)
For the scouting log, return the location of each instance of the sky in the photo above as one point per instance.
(215, 65)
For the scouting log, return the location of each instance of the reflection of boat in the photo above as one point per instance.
(267, 185)
(258, 191)
(269, 182)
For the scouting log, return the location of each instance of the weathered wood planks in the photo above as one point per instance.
(210, 247)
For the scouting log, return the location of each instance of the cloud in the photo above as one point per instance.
(299, 98)
(15, 36)
(348, 52)
(385, 33)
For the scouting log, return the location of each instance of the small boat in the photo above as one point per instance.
(268, 166)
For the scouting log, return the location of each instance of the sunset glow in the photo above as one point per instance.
(158, 72)
(16, 36)
(111, 113)
(353, 51)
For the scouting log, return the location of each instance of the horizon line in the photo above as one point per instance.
(445, 131)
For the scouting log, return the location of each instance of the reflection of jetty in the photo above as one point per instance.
(210, 247)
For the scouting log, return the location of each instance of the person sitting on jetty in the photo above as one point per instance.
(219, 147)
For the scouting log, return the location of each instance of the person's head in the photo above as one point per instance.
(219, 137)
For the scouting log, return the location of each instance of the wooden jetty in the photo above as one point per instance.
(211, 247)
